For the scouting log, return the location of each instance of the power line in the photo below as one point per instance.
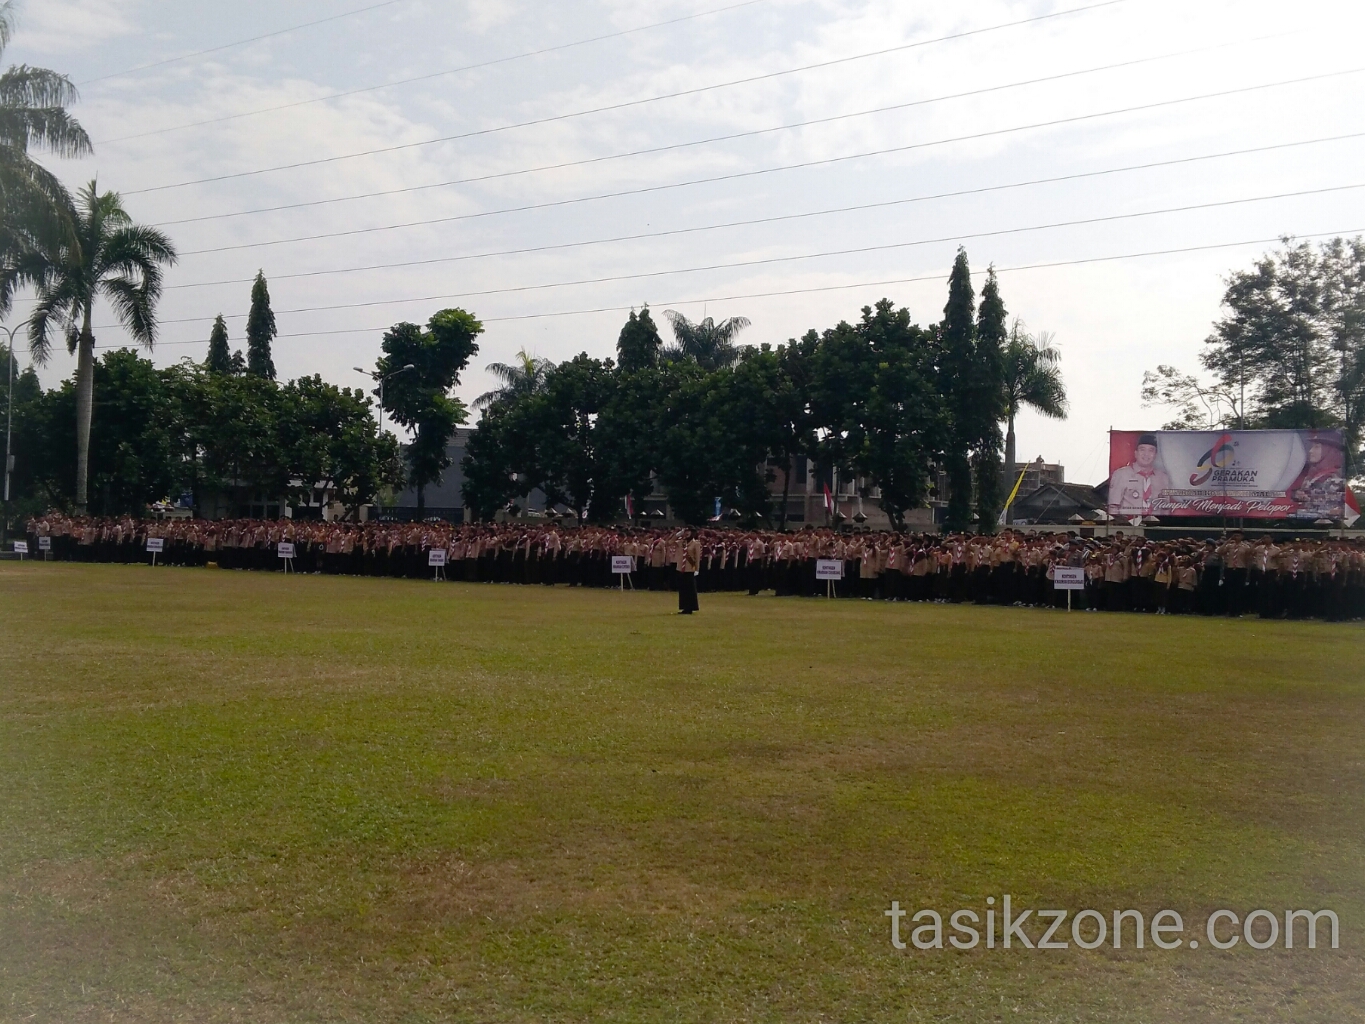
(673, 147)
(240, 42)
(769, 260)
(431, 75)
(624, 105)
(817, 289)
(736, 175)
(782, 217)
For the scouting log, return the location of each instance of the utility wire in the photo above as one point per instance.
(434, 74)
(624, 105)
(737, 175)
(675, 146)
(240, 42)
(817, 289)
(649, 235)
(770, 260)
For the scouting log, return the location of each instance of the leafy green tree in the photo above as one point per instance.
(220, 356)
(988, 407)
(793, 434)
(35, 208)
(421, 399)
(330, 439)
(105, 255)
(29, 437)
(260, 330)
(1291, 346)
(906, 424)
(562, 444)
(639, 344)
(135, 428)
(238, 435)
(709, 344)
(627, 431)
(490, 481)
(957, 336)
(1032, 378)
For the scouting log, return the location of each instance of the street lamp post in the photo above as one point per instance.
(9, 419)
(381, 378)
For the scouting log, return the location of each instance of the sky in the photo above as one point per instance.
(551, 166)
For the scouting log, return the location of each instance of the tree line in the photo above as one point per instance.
(185, 429)
(885, 399)
(1288, 352)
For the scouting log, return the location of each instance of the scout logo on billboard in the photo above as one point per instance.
(1253, 474)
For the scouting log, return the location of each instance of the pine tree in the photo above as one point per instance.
(220, 356)
(988, 401)
(639, 344)
(957, 334)
(260, 330)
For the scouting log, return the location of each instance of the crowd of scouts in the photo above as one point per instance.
(1233, 575)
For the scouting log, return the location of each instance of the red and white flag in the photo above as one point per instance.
(1352, 508)
(829, 500)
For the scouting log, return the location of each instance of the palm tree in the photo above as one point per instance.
(1033, 378)
(34, 206)
(107, 255)
(523, 377)
(710, 344)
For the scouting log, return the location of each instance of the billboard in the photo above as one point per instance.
(1252, 474)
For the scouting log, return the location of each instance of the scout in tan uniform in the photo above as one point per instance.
(688, 564)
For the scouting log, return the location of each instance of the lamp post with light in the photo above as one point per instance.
(381, 378)
(9, 419)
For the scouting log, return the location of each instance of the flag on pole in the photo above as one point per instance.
(829, 500)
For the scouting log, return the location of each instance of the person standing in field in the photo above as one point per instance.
(688, 564)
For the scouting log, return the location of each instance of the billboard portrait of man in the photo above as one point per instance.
(1134, 488)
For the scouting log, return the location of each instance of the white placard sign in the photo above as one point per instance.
(156, 545)
(21, 547)
(622, 564)
(829, 569)
(44, 543)
(436, 557)
(286, 549)
(1066, 578)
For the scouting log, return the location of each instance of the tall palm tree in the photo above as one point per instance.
(106, 255)
(1033, 378)
(34, 206)
(524, 376)
(711, 344)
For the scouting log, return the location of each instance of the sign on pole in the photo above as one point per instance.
(21, 548)
(1068, 578)
(436, 560)
(623, 566)
(44, 543)
(286, 549)
(1064, 578)
(829, 569)
(156, 545)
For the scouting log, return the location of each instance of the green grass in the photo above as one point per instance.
(245, 797)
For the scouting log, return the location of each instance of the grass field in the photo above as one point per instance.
(244, 797)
